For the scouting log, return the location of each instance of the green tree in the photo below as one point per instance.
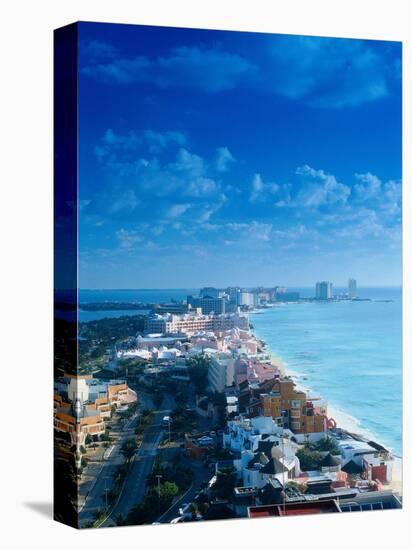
(193, 508)
(224, 484)
(120, 519)
(198, 370)
(129, 448)
(168, 490)
(309, 459)
(327, 444)
(157, 399)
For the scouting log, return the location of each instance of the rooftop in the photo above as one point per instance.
(295, 509)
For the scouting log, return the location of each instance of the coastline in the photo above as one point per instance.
(344, 420)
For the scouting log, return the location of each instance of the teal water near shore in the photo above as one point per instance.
(349, 353)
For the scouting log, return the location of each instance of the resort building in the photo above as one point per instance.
(324, 290)
(352, 290)
(192, 323)
(254, 369)
(82, 403)
(248, 299)
(265, 452)
(292, 409)
(208, 304)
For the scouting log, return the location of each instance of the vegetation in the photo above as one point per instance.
(129, 448)
(118, 479)
(309, 459)
(198, 370)
(144, 421)
(157, 399)
(183, 419)
(327, 444)
(224, 484)
(97, 337)
(133, 366)
(129, 412)
(156, 502)
(105, 436)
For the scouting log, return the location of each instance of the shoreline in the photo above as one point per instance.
(344, 420)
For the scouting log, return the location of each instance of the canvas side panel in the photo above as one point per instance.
(65, 270)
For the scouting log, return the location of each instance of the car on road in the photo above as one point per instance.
(184, 509)
(177, 520)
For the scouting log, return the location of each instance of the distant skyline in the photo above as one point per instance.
(209, 156)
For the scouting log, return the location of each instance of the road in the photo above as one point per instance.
(103, 472)
(134, 488)
(201, 474)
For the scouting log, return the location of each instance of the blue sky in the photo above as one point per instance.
(228, 158)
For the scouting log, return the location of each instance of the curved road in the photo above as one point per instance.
(134, 487)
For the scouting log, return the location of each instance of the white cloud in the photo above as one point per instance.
(325, 190)
(177, 210)
(261, 190)
(158, 141)
(224, 159)
(210, 70)
(369, 187)
(254, 231)
(124, 203)
(127, 239)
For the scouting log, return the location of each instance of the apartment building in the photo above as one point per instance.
(83, 403)
(292, 409)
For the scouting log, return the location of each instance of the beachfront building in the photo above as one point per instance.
(253, 369)
(291, 408)
(247, 299)
(324, 290)
(208, 304)
(83, 403)
(210, 292)
(189, 324)
(265, 451)
(234, 295)
(366, 458)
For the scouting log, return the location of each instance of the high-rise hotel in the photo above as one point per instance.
(324, 290)
(352, 290)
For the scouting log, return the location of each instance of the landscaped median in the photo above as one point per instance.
(167, 483)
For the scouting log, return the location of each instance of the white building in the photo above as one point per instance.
(246, 298)
(324, 290)
(221, 371)
(193, 323)
(264, 453)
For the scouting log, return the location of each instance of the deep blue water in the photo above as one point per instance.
(348, 352)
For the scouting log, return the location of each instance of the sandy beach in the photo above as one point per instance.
(343, 420)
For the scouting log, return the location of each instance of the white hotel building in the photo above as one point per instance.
(191, 323)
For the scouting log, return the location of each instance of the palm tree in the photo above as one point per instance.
(129, 448)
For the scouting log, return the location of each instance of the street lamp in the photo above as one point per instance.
(105, 491)
(158, 476)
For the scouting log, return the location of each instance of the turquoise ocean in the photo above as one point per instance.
(349, 353)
